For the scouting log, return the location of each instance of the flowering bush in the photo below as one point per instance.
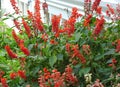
(75, 54)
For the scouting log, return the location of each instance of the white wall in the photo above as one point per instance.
(59, 6)
(7, 8)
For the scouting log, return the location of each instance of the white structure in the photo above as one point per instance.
(7, 8)
(61, 6)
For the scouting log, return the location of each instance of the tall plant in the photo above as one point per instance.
(75, 54)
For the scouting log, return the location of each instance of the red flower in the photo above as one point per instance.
(87, 20)
(22, 59)
(107, 13)
(99, 10)
(1, 73)
(69, 25)
(16, 38)
(37, 7)
(69, 76)
(113, 62)
(39, 24)
(95, 4)
(21, 73)
(13, 75)
(76, 53)
(24, 49)
(4, 82)
(52, 41)
(30, 15)
(118, 46)
(10, 52)
(87, 7)
(13, 3)
(110, 9)
(68, 47)
(55, 23)
(17, 24)
(56, 75)
(99, 26)
(27, 28)
(59, 83)
(44, 37)
(46, 74)
(75, 13)
(37, 16)
(86, 49)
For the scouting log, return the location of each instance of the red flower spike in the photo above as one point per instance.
(27, 28)
(4, 82)
(99, 10)
(30, 15)
(21, 73)
(37, 8)
(1, 73)
(69, 25)
(87, 7)
(114, 61)
(53, 42)
(24, 49)
(10, 52)
(99, 26)
(55, 23)
(95, 4)
(22, 59)
(68, 47)
(13, 75)
(110, 9)
(107, 13)
(16, 38)
(76, 53)
(17, 24)
(118, 46)
(86, 49)
(45, 70)
(13, 3)
(69, 76)
(37, 16)
(87, 20)
(75, 13)
(44, 37)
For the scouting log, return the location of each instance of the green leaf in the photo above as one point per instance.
(84, 71)
(98, 57)
(30, 46)
(111, 51)
(2, 52)
(60, 56)
(108, 80)
(77, 36)
(52, 60)
(4, 67)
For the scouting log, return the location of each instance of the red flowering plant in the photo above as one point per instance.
(75, 54)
